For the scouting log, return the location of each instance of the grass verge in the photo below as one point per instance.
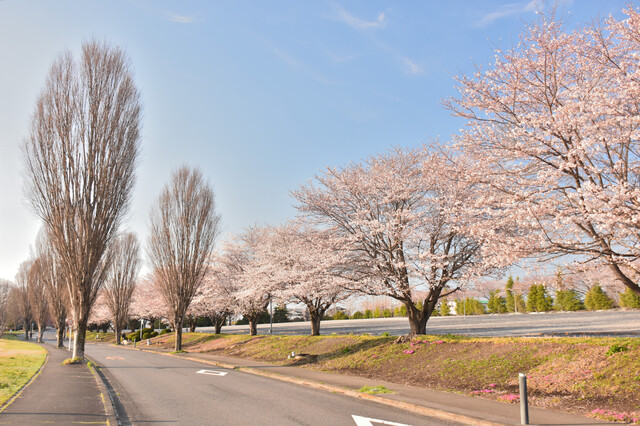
(19, 361)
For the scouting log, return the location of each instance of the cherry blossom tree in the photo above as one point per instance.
(307, 266)
(242, 268)
(184, 228)
(100, 311)
(553, 131)
(147, 302)
(403, 222)
(121, 280)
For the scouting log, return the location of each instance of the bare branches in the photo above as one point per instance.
(184, 227)
(121, 280)
(80, 162)
(5, 290)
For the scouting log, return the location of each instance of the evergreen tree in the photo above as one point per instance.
(629, 299)
(497, 304)
(568, 300)
(444, 308)
(597, 299)
(538, 300)
(510, 295)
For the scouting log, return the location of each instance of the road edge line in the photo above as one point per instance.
(110, 409)
(31, 380)
(406, 406)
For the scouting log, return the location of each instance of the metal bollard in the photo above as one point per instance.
(524, 407)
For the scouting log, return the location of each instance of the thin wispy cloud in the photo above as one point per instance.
(358, 23)
(409, 65)
(299, 66)
(180, 19)
(509, 9)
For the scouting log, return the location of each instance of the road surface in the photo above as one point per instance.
(155, 388)
(611, 322)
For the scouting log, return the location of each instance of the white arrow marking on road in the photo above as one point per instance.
(115, 357)
(366, 421)
(212, 372)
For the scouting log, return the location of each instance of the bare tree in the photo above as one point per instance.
(5, 290)
(55, 284)
(80, 165)
(24, 305)
(121, 280)
(38, 295)
(184, 227)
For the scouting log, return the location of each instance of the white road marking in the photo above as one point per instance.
(367, 421)
(212, 372)
(115, 357)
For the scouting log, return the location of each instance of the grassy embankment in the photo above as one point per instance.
(572, 374)
(19, 361)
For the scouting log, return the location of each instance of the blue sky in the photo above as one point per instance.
(260, 95)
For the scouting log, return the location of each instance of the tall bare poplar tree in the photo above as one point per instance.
(38, 296)
(5, 291)
(121, 280)
(184, 227)
(55, 284)
(80, 163)
(24, 304)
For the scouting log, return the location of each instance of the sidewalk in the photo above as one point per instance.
(444, 405)
(59, 395)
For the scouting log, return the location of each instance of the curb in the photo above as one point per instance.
(109, 407)
(406, 406)
(31, 380)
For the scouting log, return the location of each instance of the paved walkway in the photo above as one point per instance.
(59, 395)
(477, 408)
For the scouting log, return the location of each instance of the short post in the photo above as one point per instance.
(524, 408)
(271, 317)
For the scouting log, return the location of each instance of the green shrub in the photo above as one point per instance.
(629, 299)
(165, 331)
(469, 306)
(340, 315)
(357, 315)
(368, 313)
(596, 299)
(400, 311)
(568, 300)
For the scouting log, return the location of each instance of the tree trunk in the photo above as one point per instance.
(178, 327)
(27, 327)
(192, 324)
(80, 337)
(118, 335)
(60, 336)
(218, 322)
(417, 319)
(253, 326)
(315, 316)
(40, 333)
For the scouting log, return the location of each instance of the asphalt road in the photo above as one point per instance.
(611, 322)
(160, 389)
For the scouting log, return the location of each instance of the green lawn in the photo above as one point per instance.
(19, 361)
